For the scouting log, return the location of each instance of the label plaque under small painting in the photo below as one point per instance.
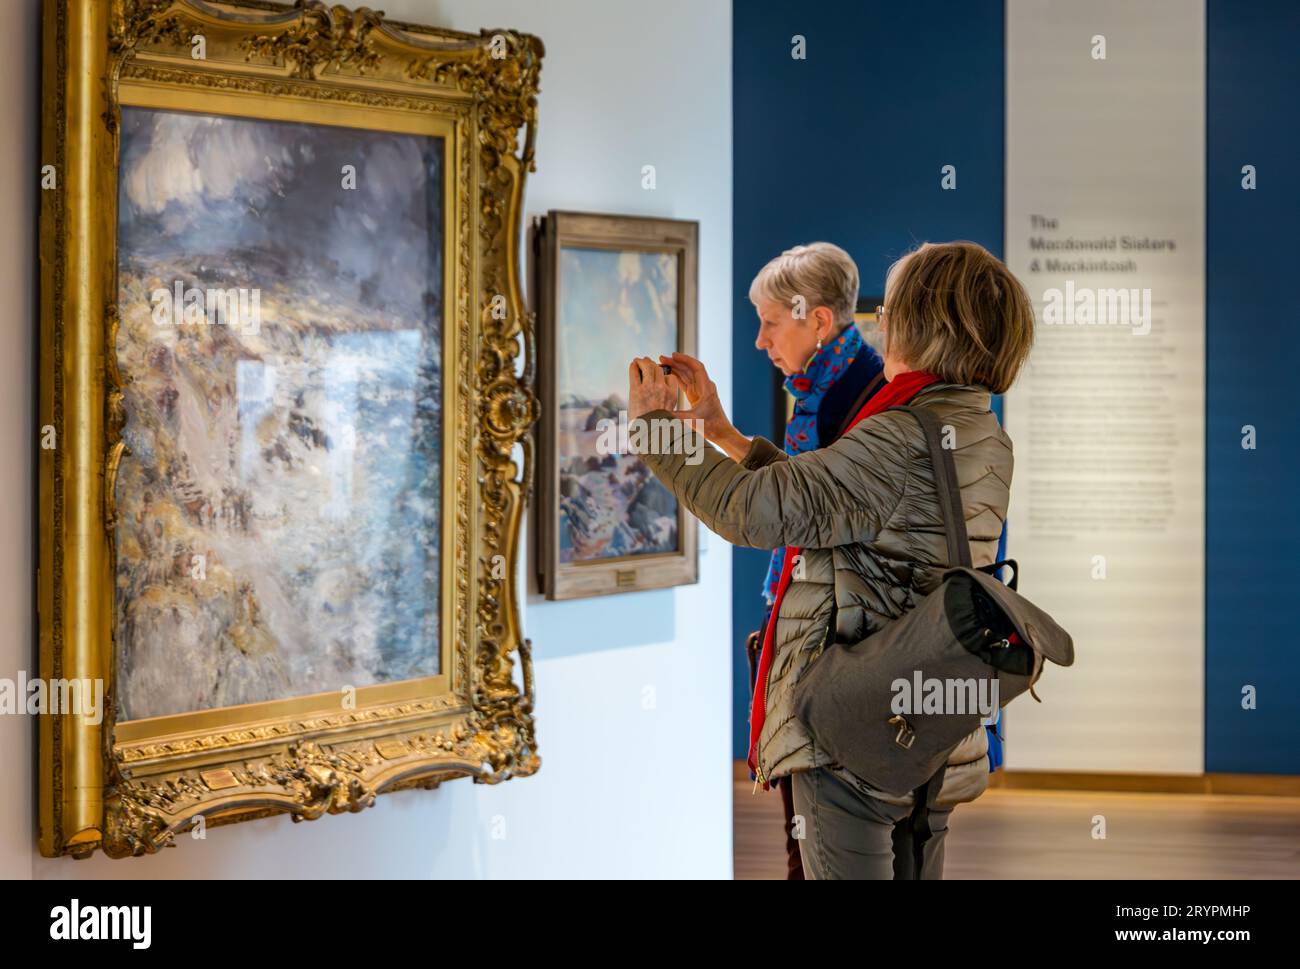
(625, 578)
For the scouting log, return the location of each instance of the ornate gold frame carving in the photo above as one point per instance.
(130, 788)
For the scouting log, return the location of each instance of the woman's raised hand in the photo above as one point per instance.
(649, 388)
(702, 394)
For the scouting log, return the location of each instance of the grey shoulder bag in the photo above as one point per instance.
(892, 707)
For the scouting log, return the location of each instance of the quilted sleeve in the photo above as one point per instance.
(837, 495)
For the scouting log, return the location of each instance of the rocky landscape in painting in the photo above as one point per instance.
(278, 506)
(615, 304)
(610, 504)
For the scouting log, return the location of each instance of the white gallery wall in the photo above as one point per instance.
(19, 70)
(633, 691)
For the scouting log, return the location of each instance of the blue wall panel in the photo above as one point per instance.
(847, 146)
(1252, 525)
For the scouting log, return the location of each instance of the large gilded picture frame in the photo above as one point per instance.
(308, 75)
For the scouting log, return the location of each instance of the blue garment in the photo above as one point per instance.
(994, 730)
(827, 366)
(995, 741)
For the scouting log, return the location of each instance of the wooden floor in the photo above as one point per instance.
(1048, 834)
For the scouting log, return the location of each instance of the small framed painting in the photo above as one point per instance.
(612, 287)
(868, 322)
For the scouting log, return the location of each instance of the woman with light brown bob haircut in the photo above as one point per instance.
(862, 522)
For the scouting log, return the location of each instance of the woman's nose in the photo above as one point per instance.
(761, 342)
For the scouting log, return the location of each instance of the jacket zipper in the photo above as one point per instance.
(758, 764)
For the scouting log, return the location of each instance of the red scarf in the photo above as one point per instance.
(898, 391)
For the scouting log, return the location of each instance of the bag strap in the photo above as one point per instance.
(1012, 583)
(913, 833)
(945, 479)
(954, 519)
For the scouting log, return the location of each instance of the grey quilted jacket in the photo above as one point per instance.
(865, 511)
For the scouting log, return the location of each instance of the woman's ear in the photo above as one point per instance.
(825, 324)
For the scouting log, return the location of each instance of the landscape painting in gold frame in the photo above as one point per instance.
(280, 322)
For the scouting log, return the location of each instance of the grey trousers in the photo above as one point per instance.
(849, 834)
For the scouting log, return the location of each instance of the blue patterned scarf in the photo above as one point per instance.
(808, 388)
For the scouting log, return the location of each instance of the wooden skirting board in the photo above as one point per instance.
(1276, 785)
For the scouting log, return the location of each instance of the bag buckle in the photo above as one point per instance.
(906, 736)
